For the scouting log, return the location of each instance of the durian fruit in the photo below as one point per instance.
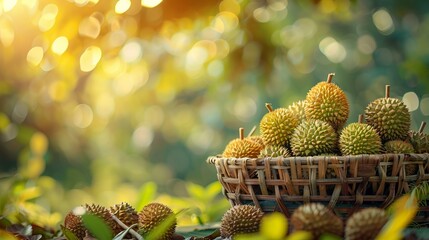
(398, 146)
(126, 214)
(274, 151)
(298, 108)
(313, 137)
(389, 116)
(240, 219)
(419, 139)
(317, 219)
(152, 215)
(74, 224)
(277, 126)
(359, 138)
(242, 147)
(365, 224)
(327, 102)
(101, 212)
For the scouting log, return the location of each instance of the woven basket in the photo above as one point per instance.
(343, 183)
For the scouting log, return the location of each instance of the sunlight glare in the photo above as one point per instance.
(150, 3)
(8, 5)
(47, 20)
(122, 6)
(383, 21)
(60, 45)
(90, 58)
(35, 55)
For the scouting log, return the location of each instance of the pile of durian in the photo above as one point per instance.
(314, 218)
(120, 217)
(315, 126)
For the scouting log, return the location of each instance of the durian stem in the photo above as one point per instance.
(241, 133)
(330, 76)
(387, 92)
(422, 127)
(252, 131)
(360, 119)
(134, 233)
(269, 107)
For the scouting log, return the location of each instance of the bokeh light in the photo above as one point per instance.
(132, 93)
(90, 58)
(150, 3)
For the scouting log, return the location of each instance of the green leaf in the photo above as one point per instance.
(161, 228)
(196, 191)
(68, 234)
(146, 195)
(123, 233)
(213, 189)
(209, 233)
(98, 228)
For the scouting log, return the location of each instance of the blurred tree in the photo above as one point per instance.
(131, 91)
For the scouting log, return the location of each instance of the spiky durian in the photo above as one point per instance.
(101, 212)
(389, 116)
(257, 139)
(242, 147)
(126, 214)
(74, 224)
(240, 219)
(419, 139)
(298, 108)
(152, 215)
(359, 138)
(274, 151)
(277, 126)
(365, 224)
(317, 219)
(313, 137)
(327, 102)
(398, 146)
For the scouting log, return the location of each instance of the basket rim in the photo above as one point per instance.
(385, 156)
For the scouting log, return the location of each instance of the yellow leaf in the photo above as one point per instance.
(6, 235)
(34, 167)
(403, 211)
(300, 235)
(39, 143)
(274, 226)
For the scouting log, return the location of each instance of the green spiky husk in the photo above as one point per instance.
(240, 219)
(152, 215)
(420, 141)
(313, 137)
(365, 224)
(359, 138)
(276, 127)
(389, 117)
(298, 108)
(274, 151)
(240, 148)
(327, 102)
(398, 146)
(317, 219)
(126, 214)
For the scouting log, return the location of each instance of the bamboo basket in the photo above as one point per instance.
(343, 183)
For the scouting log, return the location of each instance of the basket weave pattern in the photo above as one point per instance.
(343, 183)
